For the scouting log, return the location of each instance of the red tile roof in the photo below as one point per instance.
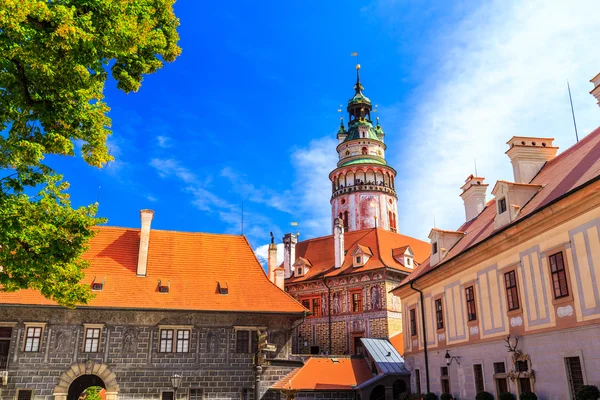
(192, 263)
(380, 242)
(570, 169)
(327, 374)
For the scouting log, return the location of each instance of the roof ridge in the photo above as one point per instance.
(572, 148)
(103, 227)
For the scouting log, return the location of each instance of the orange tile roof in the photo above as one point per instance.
(398, 342)
(570, 169)
(192, 263)
(325, 374)
(380, 242)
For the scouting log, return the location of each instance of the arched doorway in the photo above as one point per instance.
(399, 387)
(378, 393)
(79, 385)
(82, 376)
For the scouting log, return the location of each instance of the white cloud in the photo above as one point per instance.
(151, 198)
(312, 188)
(501, 72)
(168, 167)
(164, 141)
(262, 253)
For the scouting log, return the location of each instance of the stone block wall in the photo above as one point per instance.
(129, 356)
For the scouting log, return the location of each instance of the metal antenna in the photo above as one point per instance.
(242, 217)
(572, 111)
(98, 199)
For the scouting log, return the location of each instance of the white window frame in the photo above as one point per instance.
(175, 339)
(29, 325)
(87, 327)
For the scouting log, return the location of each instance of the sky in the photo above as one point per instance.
(246, 117)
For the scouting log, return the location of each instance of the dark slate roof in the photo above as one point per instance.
(386, 357)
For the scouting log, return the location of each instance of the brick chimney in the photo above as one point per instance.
(289, 253)
(272, 260)
(279, 278)
(473, 195)
(338, 242)
(596, 91)
(146, 217)
(528, 155)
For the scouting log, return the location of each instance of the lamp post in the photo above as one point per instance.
(175, 383)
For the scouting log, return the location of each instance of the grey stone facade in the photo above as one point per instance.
(546, 353)
(128, 359)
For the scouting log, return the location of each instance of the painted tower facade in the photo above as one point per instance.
(363, 191)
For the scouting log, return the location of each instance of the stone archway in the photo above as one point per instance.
(102, 371)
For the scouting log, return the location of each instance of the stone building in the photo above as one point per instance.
(510, 300)
(166, 303)
(344, 279)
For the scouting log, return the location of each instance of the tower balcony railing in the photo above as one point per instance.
(362, 186)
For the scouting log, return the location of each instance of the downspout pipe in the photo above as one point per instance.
(424, 335)
(328, 310)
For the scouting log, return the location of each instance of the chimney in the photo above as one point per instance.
(279, 279)
(338, 242)
(596, 91)
(473, 195)
(146, 216)
(528, 155)
(272, 259)
(289, 253)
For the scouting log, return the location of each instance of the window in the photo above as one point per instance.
(306, 304)
(523, 383)
(521, 366)
(97, 286)
(245, 394)
(502, 205)
(242, 342)
(471, 311)
(574, 375)
(168, 395)
(299, 271)
(183, 341)
(33, 338)
(439, 315)
(512, 294)
(500, 378)
(5, 337)
(434, 248)
(246, 341)
(358, 260)
(408, 262)
(445, 380)
(196, 394)
(413, 322)
(166, 340)
(559, 275)
(478, 375)
(92, 340)
(417, 381)
(314, 305)
(357, 301)
(23, 394)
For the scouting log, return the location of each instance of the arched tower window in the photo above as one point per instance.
(346, 214)
(364, 149)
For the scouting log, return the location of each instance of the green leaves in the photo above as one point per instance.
(53, 66)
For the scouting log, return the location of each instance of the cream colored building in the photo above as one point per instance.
(510, 301)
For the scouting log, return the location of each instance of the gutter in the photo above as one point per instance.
(424, 335)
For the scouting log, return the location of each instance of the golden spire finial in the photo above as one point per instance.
(357, 66)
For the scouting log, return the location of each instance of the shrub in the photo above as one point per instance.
(588, 392)
(484, 396)
(409, 396)
(528, 396)
(446, 396)
(430, 396)
(506, 396)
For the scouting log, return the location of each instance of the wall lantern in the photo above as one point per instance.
(176, 382)
(450, 358)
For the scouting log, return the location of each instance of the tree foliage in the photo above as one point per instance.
(55, 57)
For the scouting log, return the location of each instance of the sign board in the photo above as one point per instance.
(270, 347)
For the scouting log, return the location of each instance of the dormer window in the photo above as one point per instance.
(97, 286)
(301, 266)
(299, 271)
(358, 260)
(222, 288)
(502, 205)
(361, 255)
(408, 262)
(162, 288)
(434, 248)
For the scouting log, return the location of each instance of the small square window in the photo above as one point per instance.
(358, 260)
(502, 205)
(499, 368)
(434, 248)
(444, 371)
(23, 394)
(97, 286)
(168, 395)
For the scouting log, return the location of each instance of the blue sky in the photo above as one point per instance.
(248, 111)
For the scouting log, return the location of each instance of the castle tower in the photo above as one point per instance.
(363, 194)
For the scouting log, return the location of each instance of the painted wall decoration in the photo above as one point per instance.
(375, 298)
(212, 342)
(336, 308)
(63, 340)
(130, 340)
